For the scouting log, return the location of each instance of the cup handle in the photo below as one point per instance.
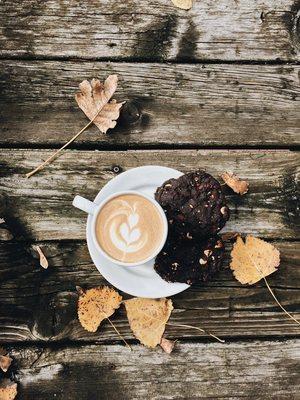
(84, 204)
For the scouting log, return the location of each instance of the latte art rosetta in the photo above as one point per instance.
(129, 228)
(126, 236)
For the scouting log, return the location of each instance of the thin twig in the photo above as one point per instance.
(278, 302)
(43, 164)
(273, 294)
(119, 334)
(199, 329)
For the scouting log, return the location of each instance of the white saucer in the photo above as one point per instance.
(140, 281)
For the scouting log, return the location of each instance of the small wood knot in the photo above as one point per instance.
(116, 169)
(130, 113)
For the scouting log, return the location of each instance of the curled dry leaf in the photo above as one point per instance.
(183, 4)
(5, 360)
(229, 236)
(236, 184)
(94, 102)
(167, 345)
(96, 304)
(147, 318)
(253, 259)
(93, 99)
(8, 390)
(43, 259)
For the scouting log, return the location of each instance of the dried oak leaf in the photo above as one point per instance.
(43, 259)
(167, 345)
(236, 184)
(8, 390)
(253, 259)
(5, 360)
(147, 318)
(183, 4)
(93, 99)
(96, 304)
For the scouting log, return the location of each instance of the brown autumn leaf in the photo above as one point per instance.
(43, 260)
(227, 236)
(236, 184)
(94, 100)
(95, 305)
(253, 259)
(8, 389)
(167, 345)
(5, 360)
(147, 318)
(183, 4)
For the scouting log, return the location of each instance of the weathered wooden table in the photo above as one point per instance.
(216, 87)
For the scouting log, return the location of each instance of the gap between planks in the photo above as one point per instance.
(143, 147)
(135, 60)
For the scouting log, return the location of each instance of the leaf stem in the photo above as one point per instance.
(273, 294)
(278, 302)
(49, 159)
(199, 329)
(119, 334)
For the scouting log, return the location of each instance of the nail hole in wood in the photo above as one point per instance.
(117, 169)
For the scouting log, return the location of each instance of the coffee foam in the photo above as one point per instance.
(129, 228)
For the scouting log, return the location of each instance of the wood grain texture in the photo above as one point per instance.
(42, 205)
(261, 369)
(223, 30)
(41, 305)
(166, 105)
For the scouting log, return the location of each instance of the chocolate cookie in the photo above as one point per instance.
(194, 204)
(191, 262)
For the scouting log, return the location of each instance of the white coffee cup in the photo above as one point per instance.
(93, 210)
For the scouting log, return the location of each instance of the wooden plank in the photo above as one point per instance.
(167, 105)
(260, 369)
(223, 30)
(38, 304)
(41, 205)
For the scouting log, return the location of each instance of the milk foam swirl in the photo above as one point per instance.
(129, 228)
(123, 228)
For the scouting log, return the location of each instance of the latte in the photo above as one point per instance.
(129, 228)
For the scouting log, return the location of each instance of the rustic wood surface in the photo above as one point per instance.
(215, 87)
(236, 371)
(167, 105)
(269, 210)
(143, 30)
(41, 305)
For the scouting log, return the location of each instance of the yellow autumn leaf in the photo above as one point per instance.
(95, 305)
(8, 389)
(94, 100)
(183, 4)
(147, 318)
(253, 259)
